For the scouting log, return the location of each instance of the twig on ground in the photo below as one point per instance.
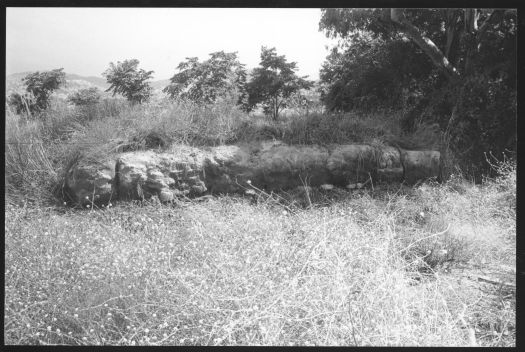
(495, 281)
(424, 238)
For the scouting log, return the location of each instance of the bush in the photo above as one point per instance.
(85, 97)
(38, 152)
(341, 128)
(22, 103)
(503, 184)
(30, 173)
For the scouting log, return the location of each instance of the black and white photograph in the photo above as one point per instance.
(260, 176)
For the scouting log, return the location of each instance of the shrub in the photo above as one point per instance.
(502, 187)
(84, 97)
(39, 86)
(21, 103)
(434, 246)
(30, 173)
(341, 128)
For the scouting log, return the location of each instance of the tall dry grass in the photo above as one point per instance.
(233, 272)
(40, 148)
(28, 167)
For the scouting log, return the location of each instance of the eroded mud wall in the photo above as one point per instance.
(188, 171)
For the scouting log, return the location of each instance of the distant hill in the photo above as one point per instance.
(74, 82)
(160, 84)
(96, 81)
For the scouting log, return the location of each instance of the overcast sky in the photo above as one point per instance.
(85, 40)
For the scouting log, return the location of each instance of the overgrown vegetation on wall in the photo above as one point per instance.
(39, 151)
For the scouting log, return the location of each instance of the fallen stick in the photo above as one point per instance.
(495, 281)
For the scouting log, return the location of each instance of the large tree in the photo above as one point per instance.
(373, 73)
(274, 82)
(454, 67)
(221, 76)
(125, 78)
(437, 32)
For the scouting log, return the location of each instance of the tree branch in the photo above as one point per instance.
(495, 17)
(424, 43)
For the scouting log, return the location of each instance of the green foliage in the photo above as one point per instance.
(85, 97)
(344, 22)
(372, 74)
(304, 102)
(39, 87)
(484, 119)
(42, 84)
(377, 65)
(125, 78)
(221, 76)
(274, 82)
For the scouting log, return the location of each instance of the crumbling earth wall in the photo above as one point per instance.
(189, 171)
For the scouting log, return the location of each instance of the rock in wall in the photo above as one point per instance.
(189, 171)
(92, 180)
(419, 164)
(141, 175)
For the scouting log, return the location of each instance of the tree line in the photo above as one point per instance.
(221, 77)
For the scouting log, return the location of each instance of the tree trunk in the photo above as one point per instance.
(451, 16)
(275, 111)
(471, 20)
(278, 107)
(424, 43)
